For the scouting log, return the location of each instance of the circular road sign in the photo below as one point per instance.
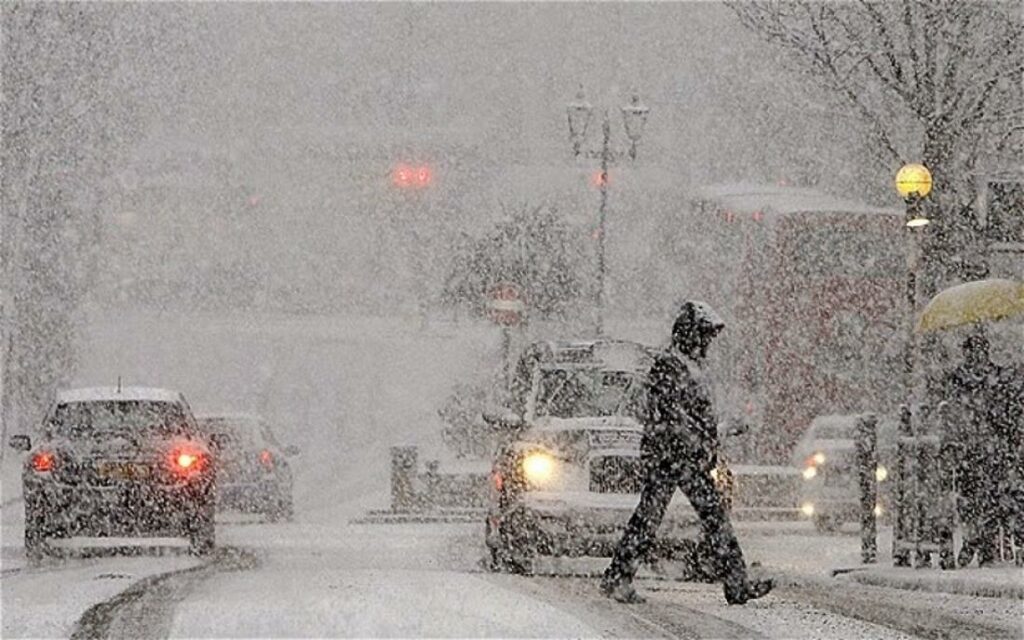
(506, 304)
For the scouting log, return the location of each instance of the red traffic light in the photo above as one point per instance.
(412, 177)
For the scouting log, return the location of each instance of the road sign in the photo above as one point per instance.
(506, 304)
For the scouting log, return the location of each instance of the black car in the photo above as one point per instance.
(253, 474)
(118, 462)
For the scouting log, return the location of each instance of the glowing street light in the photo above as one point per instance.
(913, 183)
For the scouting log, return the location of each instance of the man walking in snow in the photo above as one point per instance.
(680, 449)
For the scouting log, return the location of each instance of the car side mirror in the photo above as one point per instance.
(220, 440)
(20, 442)
(292, 450)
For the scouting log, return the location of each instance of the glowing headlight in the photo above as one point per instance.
(881, 473)
(714, 474)
(538, 467)
(807, 509)
(819, 458)
(879, 511)
(810, 472)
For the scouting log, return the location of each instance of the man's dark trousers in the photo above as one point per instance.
(688, 467)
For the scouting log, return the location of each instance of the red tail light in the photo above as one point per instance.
(267, 459)
(43, 461)
(187, 460)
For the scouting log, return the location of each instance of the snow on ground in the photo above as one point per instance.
(796, 550)
(46, 601)
(1001, 581)
(392, 581)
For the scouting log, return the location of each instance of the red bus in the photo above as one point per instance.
(812, 287)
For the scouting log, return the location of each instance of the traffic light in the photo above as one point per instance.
(407, 176)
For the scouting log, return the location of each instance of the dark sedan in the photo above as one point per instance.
(253, 474)
(117, 462)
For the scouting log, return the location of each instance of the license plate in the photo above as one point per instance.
(123, 470)
(615, 439)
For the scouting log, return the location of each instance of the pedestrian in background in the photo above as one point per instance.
(972, 389)
(1009, 430)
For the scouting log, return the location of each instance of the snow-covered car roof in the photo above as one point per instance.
(748, 198)
(100, 394)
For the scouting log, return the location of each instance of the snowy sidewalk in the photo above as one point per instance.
(1000, 581)
(797, 553)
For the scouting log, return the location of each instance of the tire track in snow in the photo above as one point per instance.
(146, 608)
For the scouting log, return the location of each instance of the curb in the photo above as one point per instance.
(954, 585)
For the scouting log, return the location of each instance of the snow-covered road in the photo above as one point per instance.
(321, 577)
(345, 390)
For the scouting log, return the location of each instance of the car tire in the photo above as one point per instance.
(37, 530)
(281, 509)
(516, 551)
(202, 531)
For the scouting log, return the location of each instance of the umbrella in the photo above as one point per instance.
(972, 302)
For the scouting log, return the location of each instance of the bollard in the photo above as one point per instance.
(867, 464)
(403, 471)
(945, 472)
(900, 538)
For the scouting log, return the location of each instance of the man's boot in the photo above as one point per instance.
(747, 591)
(621, 590)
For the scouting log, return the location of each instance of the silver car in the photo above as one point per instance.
(569, 479)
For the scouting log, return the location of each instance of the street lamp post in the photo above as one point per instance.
(913, 183)
(634, 117)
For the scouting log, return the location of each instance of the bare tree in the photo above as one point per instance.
(937, 81)
(70, 98)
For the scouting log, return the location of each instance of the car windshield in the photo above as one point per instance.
(101, 418)
(582, 393)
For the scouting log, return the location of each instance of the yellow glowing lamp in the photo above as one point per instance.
(538, 467)
(913, 180)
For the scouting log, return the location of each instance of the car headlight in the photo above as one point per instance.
(881, 473)
(819, 458)
(878, 511)
(810, 472)
(807, 509)
(539, 467)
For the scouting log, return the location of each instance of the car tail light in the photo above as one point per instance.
(187, 460)
(43, 461)
(267, 459)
